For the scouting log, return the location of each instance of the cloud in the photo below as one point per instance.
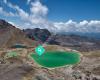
(37, 18)
(19, 12)
(28, 1)
(5, 1)
(6, 13)
(22, 14)
(38, 12)
(83, 26)
(38, 9)
(12, 23)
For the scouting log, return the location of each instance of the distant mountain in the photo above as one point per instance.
(37, 34)
(76, 42)
(95, 35)
(10, 35)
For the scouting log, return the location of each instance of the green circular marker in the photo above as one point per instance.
(39, 50)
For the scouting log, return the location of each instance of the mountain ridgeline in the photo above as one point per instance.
(10, 35)
(77, 42)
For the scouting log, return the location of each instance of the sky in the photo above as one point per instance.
(55, 15)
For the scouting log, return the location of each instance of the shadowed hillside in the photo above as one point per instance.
(10, 35)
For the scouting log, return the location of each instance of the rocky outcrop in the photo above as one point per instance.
(14, 71)
(37, 34)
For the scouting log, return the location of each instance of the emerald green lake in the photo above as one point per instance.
(53, 59)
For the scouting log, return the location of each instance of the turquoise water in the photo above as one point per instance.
(56, 59)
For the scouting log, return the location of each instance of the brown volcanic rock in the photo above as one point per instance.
(80, 43)
(14, 71)
(24, 68)
(38, 34)
(10, 35)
